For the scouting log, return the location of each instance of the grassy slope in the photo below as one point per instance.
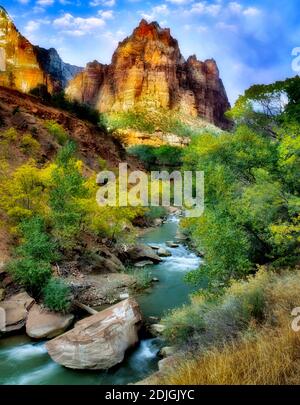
(266, 352)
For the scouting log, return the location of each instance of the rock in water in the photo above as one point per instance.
(162, 252)
(16, 310)
(98, 342)
(140, 252)
(42, 323)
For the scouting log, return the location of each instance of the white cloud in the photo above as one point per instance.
(78, 26)
(45, 3)
(226, 27)
(251, 11)
(106, 15)
(156, 12)
(105, 3)
(204, 8)
(32, 26)
(180, 2)
(235, 7)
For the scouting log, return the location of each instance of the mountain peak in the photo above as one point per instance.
(149, 73)
(151, 30)
(4, 14)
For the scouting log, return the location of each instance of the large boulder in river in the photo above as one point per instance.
(99, 341)
(16, 311)
(42, 323)
(162, 252)
(138, 253)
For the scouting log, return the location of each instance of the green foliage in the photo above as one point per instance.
(29, 145)
(59, 100)
(156, 212)
(67, 188)
(212, 322)
(57, 131)
(149, 121)
(142, 276)
(57, 295)
(32, 265)
(251, 191)
(153, 156)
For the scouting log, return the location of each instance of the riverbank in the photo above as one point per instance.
(32, 364)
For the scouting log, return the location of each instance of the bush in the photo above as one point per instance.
(57, 295)
(143, 277)
(149, 121)
(29, 144)
(32, 265)
(10, 135)
(30, 273)
(212, 322)
(59, 100)
(157, 156)
(57, 131)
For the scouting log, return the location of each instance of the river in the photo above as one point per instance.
(23, 361)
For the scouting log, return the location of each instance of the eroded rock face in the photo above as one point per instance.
(24, 66)
(148, 71)
(42, 323)
(16, 311)
(99, 341)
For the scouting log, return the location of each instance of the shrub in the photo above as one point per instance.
(163, 155)
(32, 265)
(207, 322)
(266, 353)
(29, 144)
(10, 135)
(30, 273)
(57, 295)
(143, 277)
(57, 131)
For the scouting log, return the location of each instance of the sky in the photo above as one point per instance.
(252, 41)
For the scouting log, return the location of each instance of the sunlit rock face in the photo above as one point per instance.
(19, 66)
(148, 71)
(24, 66)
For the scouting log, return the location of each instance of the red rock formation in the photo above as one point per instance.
(148, 71)
(18, 60)
(24, 66)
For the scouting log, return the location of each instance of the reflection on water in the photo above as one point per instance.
(25, 362)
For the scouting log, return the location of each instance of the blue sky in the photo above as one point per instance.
(251, 40)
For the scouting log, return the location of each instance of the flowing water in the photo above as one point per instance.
(23, 361)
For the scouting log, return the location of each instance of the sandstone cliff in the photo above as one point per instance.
(24, 66)
(148, 71)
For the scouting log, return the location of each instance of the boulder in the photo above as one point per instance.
(172, 244)
(143, 263)
(162, 252)
(98, 342)
(155, 247)
(155, 280)
(167, 364)
(167, 351)
(16, 310)
(124, 296)
(157, 328)
(142, 252)
(42, 323)
(157, 221)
